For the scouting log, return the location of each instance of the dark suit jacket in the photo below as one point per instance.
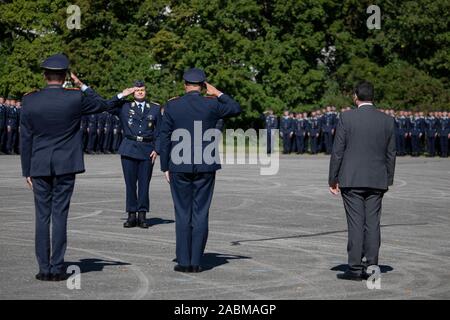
(181, 113)
(50, 129)
(364, 150)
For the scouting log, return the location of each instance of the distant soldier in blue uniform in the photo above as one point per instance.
(444, 133)
(101, 118)
(17, 141)
(300, 132)
(52, 155)
(12, 124)
(286, 132)
(431, 131)
(117, 133)
(139, 148)
(328, 127)
(3, 109)
(401, 133)
(417, 130)
(190, 175)
(83, 129)
(91, 133)
(108, 129)
(314, 132)
(270, 124)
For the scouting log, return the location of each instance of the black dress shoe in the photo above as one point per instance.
(180, 268)
(131, 222)
(197, 269)
(43, 276)
(348, 275)
(142, 221)
(59, 276)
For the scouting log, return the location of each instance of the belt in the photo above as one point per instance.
(139, 138)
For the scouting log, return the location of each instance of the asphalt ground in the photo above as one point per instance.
(271, 237)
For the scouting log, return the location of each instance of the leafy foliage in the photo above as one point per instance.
(295, 54)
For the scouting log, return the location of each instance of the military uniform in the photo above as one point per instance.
(401, 126)
(300, 132)
(328, 126)
(12, 123)
(117, 133)
(287, 132)
(192, 179)
(92, 133)
(431, 127)
(3, 109)
(444, 130)
(314, 131)
(140, 122)
(52, 155)
(108, 129)
(416, 130)
(270, 124)
(101, 118)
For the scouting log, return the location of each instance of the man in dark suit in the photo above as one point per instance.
(52, 154)
(192, 177)
(362, 167)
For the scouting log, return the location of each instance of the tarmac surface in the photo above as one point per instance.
(271, 237)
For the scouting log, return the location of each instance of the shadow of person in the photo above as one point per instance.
(344, 267)
(156, 221)
(212, 260)
(93, 264)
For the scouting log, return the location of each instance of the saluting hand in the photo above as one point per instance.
(211, 90)
(128, 91)
(77, 82)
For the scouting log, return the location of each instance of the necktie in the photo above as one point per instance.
(141, 108)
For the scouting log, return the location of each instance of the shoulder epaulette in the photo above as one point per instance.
(173, 98)
(155, 103)
(72, 88)
(37, 90)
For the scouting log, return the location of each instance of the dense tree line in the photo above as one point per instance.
(280, 54)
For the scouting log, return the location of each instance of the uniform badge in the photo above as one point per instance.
(147, 106)
(130, 121)
(150, 121)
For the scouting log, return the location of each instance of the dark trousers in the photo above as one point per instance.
(2, 135)
(100, 139)
(137, 174)
(192, 194)
(314, 143)
(11, 134)
(270, 141)
(401, 143)
(287, 142)
(108, 140)
(92, 137)
(52, 200)
(117, 139)
(363, 210)
(328, 139)
(300, 139)
(431, 144)
(444, 145)
(415, 144)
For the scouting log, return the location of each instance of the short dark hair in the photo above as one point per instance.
(364, 91)
(55, 75)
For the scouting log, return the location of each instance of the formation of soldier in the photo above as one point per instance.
(9, 125)
(313, 132)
